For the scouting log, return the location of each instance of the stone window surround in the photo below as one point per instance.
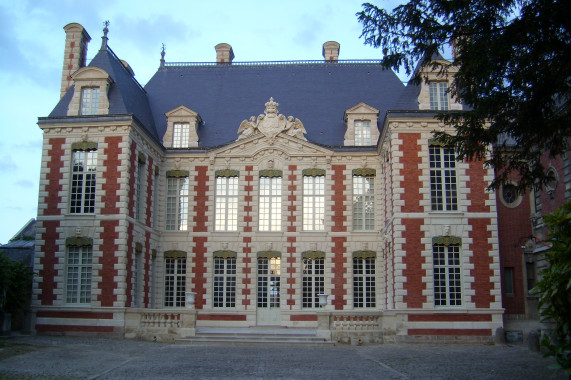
(428, 75)
(90, 77)
(361, 112)
(182, 114)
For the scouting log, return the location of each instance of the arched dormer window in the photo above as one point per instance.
(91, 85)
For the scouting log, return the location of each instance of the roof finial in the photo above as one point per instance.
(104, 38)
(163, 56)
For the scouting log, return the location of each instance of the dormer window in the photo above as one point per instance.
(361, 123)
(89, 100)
(363, 132)
(182, 128)
(438, 96)
(91, 85)
(180, 135)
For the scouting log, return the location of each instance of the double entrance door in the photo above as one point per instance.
(268, 284)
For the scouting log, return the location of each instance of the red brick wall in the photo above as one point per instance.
(132, 179)
(291, 249)
(200, 199)
(107, 262)
(111, 174)
(477, 185)
(413, 260)
(411, 172)
(339, 272)
(481, 260)
(339, 196)
(48, 272)
(199, 270)
(149, 203)
(53, 177)
(513, 227)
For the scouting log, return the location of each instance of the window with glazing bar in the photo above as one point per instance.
(443, 188)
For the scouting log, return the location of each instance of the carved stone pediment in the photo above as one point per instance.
(270, 124)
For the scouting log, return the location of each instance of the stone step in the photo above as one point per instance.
(237, 336)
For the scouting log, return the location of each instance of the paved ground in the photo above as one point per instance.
(61, 358)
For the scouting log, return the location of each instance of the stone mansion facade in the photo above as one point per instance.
(198, 201)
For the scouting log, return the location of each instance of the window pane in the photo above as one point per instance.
(270, 211)
(447, 275)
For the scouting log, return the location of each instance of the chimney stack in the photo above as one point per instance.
(331, 51)
(75, 53)
(224, 53)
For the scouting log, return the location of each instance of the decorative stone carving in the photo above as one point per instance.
(271, 124)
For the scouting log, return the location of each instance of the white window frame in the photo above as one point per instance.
(79, 268)
(177, 204)
(226, 204)
(362, 132)
(89, 103)
(438, 96)
(270, 204)
(180, 135)
(443, 179)
(364, 202)
(313, 282)
(314, 203)
(175, 282)
(224, 283)
(364, 282)
(83, 182)
(447, 269)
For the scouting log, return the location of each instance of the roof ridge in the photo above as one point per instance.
(274, 63)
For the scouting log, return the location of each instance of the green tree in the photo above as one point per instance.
(514, 59)
(554, 288)
(15, 285)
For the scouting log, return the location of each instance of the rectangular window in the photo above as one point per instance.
(313, 282)
(138, 190)
(362, 133)
(313, 203)
(270, 204)
(509, 281)
(89, 100)
(224, 282)
(180, 135)
(177, 204)
(226, 204)
(156, 200)
(364, 294)
(137, 278)
(447, 270)
(363, 203)
(82, 194)
(78, 275)
(443, 189)
(438, 96)
(175, 282)
(269, 282)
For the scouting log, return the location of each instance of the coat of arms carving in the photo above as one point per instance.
(271, 124)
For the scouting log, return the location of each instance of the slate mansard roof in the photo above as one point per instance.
(315, 92)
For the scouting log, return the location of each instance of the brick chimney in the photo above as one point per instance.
(331, 51)
(74, 56)
(224, 53)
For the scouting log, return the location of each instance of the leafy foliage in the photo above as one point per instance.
(514, 76)
(554, 289)
(15, 285)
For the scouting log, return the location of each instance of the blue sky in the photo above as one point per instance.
(32, 42)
